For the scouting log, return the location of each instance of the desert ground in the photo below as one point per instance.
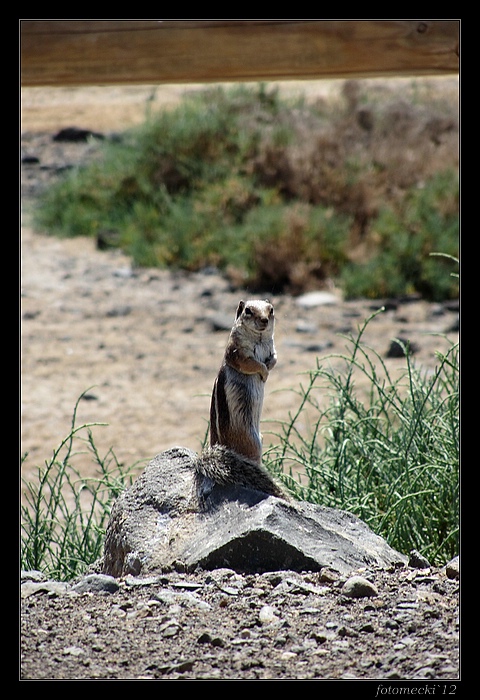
(145, 344)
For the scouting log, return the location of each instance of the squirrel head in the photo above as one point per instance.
(256, 314)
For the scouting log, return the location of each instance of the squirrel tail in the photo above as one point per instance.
(224, 466)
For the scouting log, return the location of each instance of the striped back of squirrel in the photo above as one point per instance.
(235, 412)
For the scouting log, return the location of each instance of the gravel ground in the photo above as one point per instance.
(221, 625)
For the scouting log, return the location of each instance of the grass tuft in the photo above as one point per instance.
(64, 514)
(388, 454)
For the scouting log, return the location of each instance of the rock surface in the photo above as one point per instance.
(156, 526)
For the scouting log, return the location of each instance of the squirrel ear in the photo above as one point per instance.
(240, 307)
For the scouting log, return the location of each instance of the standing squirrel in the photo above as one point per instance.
(235, 452)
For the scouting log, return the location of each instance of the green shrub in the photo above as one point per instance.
(295, 246)
(283, 193)
(401, 262)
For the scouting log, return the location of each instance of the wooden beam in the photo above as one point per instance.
(96, 52)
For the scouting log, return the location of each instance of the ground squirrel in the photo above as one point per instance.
(237, 397)
(235, 452)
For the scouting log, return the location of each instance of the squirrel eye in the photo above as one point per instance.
(248, 312)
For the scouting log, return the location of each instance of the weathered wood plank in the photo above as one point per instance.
(80, 52)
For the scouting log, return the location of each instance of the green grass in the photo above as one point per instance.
(64, 514)
(389, 454)
(279, 194)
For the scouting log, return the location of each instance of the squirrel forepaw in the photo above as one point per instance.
(264, 375)
(270, 362)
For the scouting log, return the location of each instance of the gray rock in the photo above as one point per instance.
(417, 560)
(452, 569)
(33, 575)
(96, 583)
(157, 524)
(359, 587)
(52, 588)
(312, 299)
(252, 535)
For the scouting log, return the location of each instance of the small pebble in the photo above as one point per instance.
(400, 346)
(305, 327)
(417, 560)
(119, 311)
(96, 583)
(312, 299)
(453, 568)
(52, 588)
(288, 655)
(358, 587)
(267, 615)
(73, 651)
